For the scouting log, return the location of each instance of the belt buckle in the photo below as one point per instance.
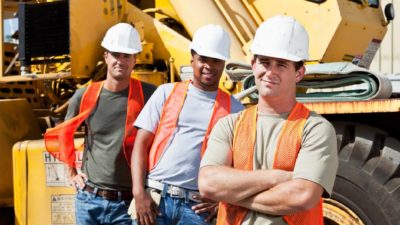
(176, 192)
(191, 194)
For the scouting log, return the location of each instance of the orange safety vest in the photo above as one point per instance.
(59, 141)
(288, 147)
(169, 118)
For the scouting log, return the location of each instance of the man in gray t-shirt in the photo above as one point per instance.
(174, 169)
(272, 163)
(104, 187)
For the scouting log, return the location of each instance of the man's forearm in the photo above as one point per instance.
(139, 160)
(71, 171)
(226, 184)
(284, 199)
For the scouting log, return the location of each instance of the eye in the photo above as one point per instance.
(265, 63)
(114, 54)
(283, 65)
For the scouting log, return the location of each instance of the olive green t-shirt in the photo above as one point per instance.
(103, 160)
(317, 160)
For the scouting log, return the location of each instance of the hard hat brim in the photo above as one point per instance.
(121, 49)
(280, 55)
(209, 54)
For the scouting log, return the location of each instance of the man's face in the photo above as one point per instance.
(276, 78)
(119, 65)
(206, 72)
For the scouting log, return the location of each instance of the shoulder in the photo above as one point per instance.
(318, 127)
(78, 94)
(164, 89)
(317, 120)
(228, 122)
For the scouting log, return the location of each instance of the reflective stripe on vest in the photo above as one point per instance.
(288, 146)
(170, 114)
(59, 141)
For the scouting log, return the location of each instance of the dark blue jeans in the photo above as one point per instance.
(178, 211)
(91, 209)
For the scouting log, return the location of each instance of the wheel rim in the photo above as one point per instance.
(336, 213)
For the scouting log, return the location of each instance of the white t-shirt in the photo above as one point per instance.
(180, 161)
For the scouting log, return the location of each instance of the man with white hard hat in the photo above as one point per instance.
(272, 163)
(173, 131)
(108, 109)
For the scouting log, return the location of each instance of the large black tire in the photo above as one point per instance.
(368, 178)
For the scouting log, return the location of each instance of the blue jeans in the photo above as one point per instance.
(178, 211)
(91, 209)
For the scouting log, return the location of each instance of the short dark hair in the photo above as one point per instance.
(297, 65)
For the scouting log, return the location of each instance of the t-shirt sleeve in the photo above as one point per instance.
(74, 104)
(318, 158)
(149, 117)
(218, 152)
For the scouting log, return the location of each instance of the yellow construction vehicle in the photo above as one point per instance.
(51, 48)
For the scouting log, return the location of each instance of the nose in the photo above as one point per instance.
(271, 69)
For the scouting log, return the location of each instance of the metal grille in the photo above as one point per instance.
(43, 30)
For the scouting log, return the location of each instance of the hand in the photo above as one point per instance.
(207, 206)
(146, 209)
(78, 180)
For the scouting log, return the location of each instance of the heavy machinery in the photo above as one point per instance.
(55, 49)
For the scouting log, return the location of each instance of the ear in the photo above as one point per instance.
(300, 74)
(253, 62)
(105, 56)
(192, 59)
(134, 58)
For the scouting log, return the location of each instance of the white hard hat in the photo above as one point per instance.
(122, 38)
(281, 37)
(211, 41)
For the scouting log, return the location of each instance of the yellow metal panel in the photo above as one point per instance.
(194, 14)
(156, 78)
(320, 20)
(358, 28)
(20, 182)
(146, 55)
(89, 20)
(167, 42)
(16, 123)
(36, 201)
(336, 27)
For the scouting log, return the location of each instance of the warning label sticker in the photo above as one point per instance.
(62, 210)
(56, 171)
(370, 53)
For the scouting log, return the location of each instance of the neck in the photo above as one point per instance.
(116, 85)
(275, 106)
(203, 87)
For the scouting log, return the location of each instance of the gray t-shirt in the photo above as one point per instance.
(317, 160)
(179, 163)
(104, 160)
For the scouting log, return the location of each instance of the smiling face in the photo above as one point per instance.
(206, 72)
(276, 78)
(119, 65)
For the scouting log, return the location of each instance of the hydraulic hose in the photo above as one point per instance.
(322, 82)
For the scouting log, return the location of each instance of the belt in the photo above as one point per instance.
(173, 191)
(110, 195)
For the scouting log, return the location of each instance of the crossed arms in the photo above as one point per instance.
(272, 192)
